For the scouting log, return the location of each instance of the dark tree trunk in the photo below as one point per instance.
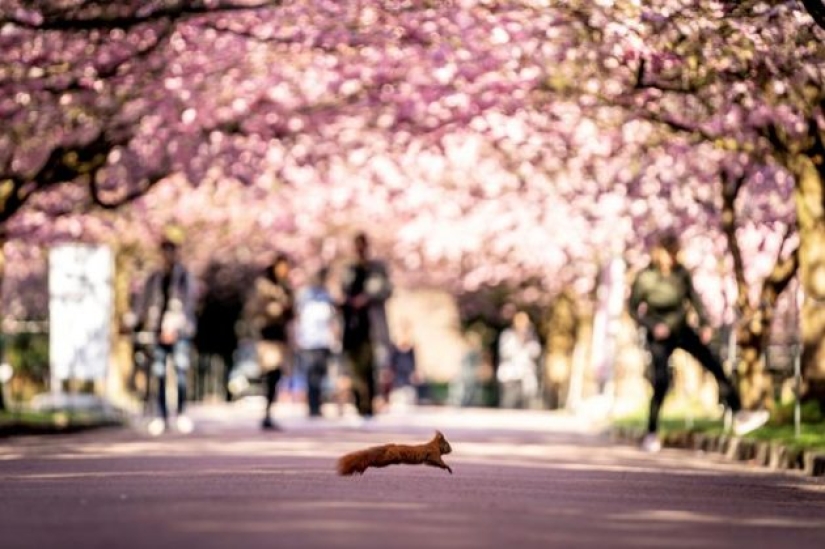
(753, 328)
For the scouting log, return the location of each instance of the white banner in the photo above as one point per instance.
(80, 311)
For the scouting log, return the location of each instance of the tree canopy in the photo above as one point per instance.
(480, 141)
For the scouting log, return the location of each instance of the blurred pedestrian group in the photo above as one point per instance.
(324, 340)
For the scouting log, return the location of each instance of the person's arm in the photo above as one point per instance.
(379, 287)
(637, 301)
(507, 345)
(415, 379)
(290, 305)
(190, 299)
(351, 301)
(243, 326)
(253, 311)
(695, 300)
(143, 302)
(533, 347)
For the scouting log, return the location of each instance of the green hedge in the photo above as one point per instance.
(28, 354)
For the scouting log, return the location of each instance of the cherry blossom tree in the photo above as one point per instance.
(746, 77)
(482, 142)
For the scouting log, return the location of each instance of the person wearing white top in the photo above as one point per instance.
(519, 351)
(315, 330)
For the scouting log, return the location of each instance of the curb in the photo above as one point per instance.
(768, 454)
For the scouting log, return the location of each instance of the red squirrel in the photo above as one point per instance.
(393, 454)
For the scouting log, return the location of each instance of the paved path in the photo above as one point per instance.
(522, 479)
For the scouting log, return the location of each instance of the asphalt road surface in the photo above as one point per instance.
(521, 479)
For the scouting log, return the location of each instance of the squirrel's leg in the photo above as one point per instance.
(436, 461)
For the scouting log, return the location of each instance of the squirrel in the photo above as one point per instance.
(393, 454)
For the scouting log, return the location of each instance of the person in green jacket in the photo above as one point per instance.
(660, 300)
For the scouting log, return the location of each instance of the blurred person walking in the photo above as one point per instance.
(662, 294)
(268, 313)
(403, 376)
(216, 340)
(167, 313)
(517, 374)
(365, 287)
(466, 387)
(315, 335)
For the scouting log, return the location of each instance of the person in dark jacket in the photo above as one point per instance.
(268, 315)
(661, 297)
(217, 316)
(167, 313)
(366, 287)
(404, 378)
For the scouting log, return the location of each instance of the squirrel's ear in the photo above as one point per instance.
(439, 434)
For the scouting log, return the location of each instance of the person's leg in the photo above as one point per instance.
(146, 364)
(226, 363)
(316, 361)
(200, 385)
(369, 376)
(271, 380)
(660, 352)
(355, 385)
(180, 356)
(526, 392)
(272, 358)
(160, 355)
(363, 378)
(342, 381)
(162, 409)
(273, 377)
(385, 383)
(508, 398)
(315, 383)
(689, 341)
(744, 421)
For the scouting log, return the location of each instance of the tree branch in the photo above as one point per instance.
(665, 119)
(816, 9)
(109, 71)
(65, 163)
(782, 273)
(730, 191)
(677, 125)
(13, 197)
(131, 195)
(774, 136)
(106, 15)
(641, 83)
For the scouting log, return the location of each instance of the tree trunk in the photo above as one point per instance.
(810, 207)
(754, 326)
(122, 361)
(753, 333)
(755, 385)
(562, 326)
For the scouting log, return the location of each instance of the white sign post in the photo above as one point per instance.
(606, 324)
(80, 312)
